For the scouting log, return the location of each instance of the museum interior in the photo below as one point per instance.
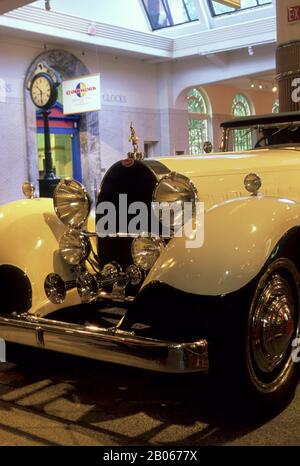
(176, 75)
(149, 224)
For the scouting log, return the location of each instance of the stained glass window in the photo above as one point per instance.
(242, 137)
(198, 121)
(275, 108)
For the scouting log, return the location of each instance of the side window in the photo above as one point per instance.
(199, 121)
(242, 139)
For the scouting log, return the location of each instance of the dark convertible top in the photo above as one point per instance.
(270, 119)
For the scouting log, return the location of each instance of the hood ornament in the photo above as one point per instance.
(136, 154)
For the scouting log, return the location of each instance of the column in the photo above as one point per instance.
(288, 54)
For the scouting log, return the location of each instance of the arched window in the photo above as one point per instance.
(241, 106)
(275, 108)
(242, 137)
(198, 121)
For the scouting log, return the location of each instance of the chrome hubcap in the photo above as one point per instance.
(273, 325)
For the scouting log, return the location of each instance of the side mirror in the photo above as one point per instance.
(207, 147)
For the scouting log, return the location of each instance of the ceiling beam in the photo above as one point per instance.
(8, 5)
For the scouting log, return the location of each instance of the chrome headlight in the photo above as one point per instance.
(173, 191)
(111, 271)
(55, 288)
(74, 247)
(71, 203)
(145, 251)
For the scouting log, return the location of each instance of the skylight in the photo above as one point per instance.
(219, 9)
(167, 13)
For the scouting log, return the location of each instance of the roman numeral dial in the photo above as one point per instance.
(43, 91)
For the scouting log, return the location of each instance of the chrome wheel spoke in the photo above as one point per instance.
(273, 324)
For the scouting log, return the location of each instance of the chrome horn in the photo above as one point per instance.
(56, 288)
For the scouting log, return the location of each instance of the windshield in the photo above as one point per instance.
(255, 137)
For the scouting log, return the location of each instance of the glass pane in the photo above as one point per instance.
(165, 13)
(156, 13)
(178, 11)
(198, 134)
(219, 9)
(242, 140)
(196, 102)
(275, 108)
(61, 147)
(191, 8)
(240, 106)
(248, 4)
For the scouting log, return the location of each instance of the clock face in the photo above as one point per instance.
(42, 91)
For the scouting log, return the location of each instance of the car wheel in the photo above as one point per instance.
(272, 325)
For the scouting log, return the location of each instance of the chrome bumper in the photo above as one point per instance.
(110, 345)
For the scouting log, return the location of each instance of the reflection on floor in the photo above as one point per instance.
(52, 399)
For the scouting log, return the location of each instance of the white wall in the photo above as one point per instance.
(221, 98)
(286, 31)
(129, 93)
(117, 12)
(13, 63)
(132, 90)
(210, 69)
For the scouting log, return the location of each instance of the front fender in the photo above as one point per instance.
(239, 237)
(30, 232)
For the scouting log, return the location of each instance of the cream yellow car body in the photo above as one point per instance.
(220, 177)
(240, 231)
(30, 232)
(233, 303)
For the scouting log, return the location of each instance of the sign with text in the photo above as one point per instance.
(82, 94)
(293, 13)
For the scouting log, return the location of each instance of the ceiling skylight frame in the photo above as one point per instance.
(240, 10)
(169, 16)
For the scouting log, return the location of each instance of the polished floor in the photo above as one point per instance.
(62, 400)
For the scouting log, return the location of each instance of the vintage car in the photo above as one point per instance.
(229, 306)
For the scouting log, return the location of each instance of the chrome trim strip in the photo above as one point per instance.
(109, 296)
(88, 234)
(110, 345)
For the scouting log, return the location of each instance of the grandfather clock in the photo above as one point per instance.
(43, 85)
